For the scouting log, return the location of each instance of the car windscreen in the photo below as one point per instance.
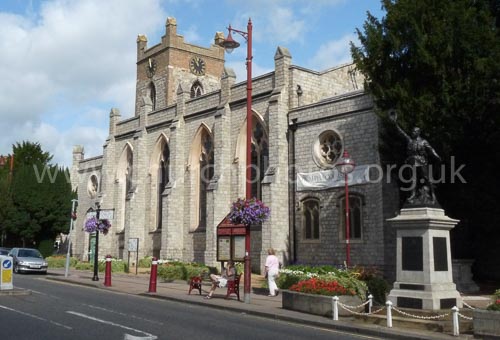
(29, 253)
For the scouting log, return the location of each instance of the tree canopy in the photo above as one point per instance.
(36, 199)
(438, 64)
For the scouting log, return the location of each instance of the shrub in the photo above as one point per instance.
(286, 280)
(46, 247)
(240, 268)
(172, 271)
(495, 306)
(195, 269)
(145, 262)
(376, 285)
(60, 261)
(84, 266)
(117, 265)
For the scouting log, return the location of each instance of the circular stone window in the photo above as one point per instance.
(327, 149)
(92, 186)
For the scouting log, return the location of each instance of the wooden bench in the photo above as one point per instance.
(233, 287)
(195, 283)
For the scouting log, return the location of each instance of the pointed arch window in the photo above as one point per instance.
(152, 95)
(355, 215)
(196, 89)
(129, 171)
(206, 174)
(163, 179)
(260, 157)
(310, 219)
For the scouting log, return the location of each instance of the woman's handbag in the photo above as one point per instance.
(222, 282)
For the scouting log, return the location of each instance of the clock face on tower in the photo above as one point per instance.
(197, 66)
(150, 67)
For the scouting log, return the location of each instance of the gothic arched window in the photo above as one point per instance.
(129, 171)
(163, 179)
(260, 157)
(356, 217)
(196, 89)
(206, 174)
(152, 95)
(310, 218)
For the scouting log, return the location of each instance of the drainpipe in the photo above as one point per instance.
(291, 189)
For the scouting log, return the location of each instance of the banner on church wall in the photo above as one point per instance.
(321, 180)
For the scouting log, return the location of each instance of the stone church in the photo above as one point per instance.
(168, 175)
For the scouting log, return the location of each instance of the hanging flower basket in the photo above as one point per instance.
(248, 212)
(93, 224)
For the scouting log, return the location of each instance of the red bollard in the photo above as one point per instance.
(152, 278)
(107, 275)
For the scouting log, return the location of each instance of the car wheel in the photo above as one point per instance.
(16, 269)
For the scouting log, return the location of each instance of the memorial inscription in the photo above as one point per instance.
(412, 253)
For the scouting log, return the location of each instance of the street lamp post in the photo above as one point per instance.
(229, 45)
(72, 221)
(96, 253)
(346, 166)
(4, 160)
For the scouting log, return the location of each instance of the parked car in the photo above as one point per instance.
(4, 251)
(28, 260)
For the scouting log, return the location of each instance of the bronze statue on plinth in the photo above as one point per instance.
(418, 151)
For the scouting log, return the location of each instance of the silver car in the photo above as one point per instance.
(28, 260)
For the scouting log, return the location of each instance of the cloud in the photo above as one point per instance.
(59, 60)
(333, 53)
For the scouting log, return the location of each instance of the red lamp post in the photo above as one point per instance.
(346, 166)
(4, 160)
(229, 45)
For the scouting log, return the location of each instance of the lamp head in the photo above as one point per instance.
(229, 43)
(346, 164)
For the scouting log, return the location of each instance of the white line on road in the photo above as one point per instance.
(123, 314)
(36, 317)
(150, 336)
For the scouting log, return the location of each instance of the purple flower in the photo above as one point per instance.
(93, 224)
(247, 212)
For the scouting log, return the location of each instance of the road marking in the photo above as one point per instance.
(36, 317)
(45, 294)
(131, 337)
(123, 314)
(150, 336)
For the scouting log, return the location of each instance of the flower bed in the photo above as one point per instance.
(322, 287)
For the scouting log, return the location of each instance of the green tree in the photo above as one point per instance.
(40, 196)
(438, 64)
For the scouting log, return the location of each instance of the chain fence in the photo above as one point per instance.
(388, 305)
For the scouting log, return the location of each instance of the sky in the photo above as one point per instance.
(65, 63)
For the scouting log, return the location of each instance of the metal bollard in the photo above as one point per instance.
(456, 324)
(335, 308)
(370, 303)
(107, 274)
(388, 304)
(152, 278)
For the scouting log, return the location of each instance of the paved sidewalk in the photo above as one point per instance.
(260, 304)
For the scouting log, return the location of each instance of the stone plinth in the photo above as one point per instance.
(462, 276)
(424, 278)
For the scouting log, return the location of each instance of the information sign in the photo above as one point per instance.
(224, 248)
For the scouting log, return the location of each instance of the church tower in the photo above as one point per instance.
(163, 67)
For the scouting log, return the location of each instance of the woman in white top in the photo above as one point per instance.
(272, 271)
